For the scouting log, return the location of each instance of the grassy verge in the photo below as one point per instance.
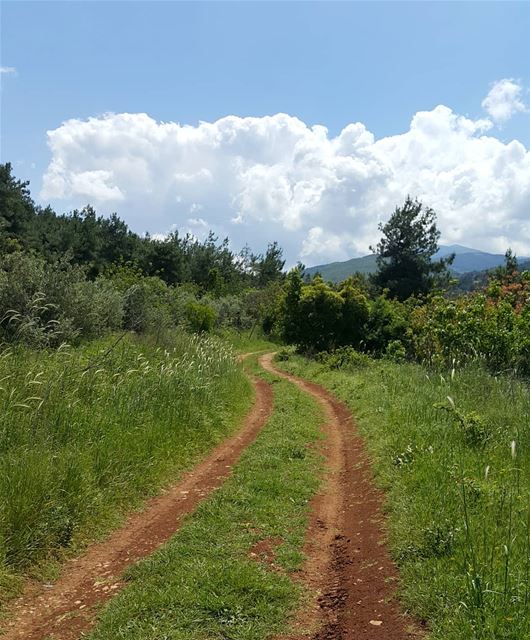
(245, 342)
(228, 572)
(87, 432)
(458, 490)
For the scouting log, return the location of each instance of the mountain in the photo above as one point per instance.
(466, 260)
(338, 271)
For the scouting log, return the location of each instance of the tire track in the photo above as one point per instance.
(66, 609)
(348, 565)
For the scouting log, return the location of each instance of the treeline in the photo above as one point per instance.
(68, 277)
(491, 325)
(79, 275)
(96, 243)
(407, 310)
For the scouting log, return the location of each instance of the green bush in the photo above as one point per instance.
(200, 317)
(395, 351)
(474, 327)
(343, 358)
(316, 317)
(231, 311)
(387, 322)
(148, 306)
(45, 304)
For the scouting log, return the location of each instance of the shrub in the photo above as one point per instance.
(45, 304)
(231, 311)
(320, 316)
(395, 351)
(473, 327)
(283, 355)
(343, 358)
(147, 305)
(355, 314)
(200, 317)
(387, 322)
(316, 317)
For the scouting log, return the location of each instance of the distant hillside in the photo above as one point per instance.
(473, 280)
(338, 271)
(466, 260)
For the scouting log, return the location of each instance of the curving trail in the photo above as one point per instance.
(347, 563)
(67, 609)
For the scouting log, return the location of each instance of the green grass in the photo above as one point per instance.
(457, 500)
(204, 583)
(244, 342)
(86, 433)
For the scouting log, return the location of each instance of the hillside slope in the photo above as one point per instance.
(466, 260)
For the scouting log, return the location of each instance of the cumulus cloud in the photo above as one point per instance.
(277, 178)
(504, 100)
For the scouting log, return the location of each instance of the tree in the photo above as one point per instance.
(320, 316)
(270, 267)
(290, 307)
(355, 313)
(404, 253)
(97, 242)
(509, 271)
(16, 208)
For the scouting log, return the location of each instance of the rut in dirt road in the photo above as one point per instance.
(347, 563)
(67, 609)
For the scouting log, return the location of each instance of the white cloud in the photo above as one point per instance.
(504, 100)
(276, 178)
(320, 242)
(7, 70)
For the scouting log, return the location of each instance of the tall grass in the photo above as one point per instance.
(88, 430)
(452, 452)
(211, 580)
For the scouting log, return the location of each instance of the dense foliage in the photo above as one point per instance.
(433, 326)
(96, 242)
(79, 275)
(491, 325)
(317, 316)
(68, 277)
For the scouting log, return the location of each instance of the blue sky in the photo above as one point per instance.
(325, 63)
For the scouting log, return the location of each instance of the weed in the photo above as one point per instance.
(204, 583)
(87, 432)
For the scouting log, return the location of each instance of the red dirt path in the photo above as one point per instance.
(347, 564)
(67, 609)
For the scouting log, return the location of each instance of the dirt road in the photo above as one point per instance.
(67, 608)
(348, 565)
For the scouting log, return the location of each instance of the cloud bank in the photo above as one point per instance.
(276, 178)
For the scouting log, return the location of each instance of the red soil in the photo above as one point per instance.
(348, 565)
(67, 608)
